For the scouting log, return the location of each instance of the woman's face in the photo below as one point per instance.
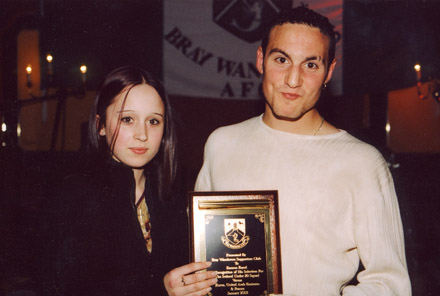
(141, 126)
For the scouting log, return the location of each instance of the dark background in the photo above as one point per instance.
(382, 42)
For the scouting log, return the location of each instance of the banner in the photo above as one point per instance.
(210, 45)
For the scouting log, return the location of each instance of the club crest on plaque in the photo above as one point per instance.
(235, 233)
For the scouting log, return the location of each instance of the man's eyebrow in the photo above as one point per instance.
(277, 50)
(307, 59)
(315, 58)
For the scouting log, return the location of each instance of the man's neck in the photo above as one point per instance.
(309, 124)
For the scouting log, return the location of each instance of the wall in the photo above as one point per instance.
(414, 122)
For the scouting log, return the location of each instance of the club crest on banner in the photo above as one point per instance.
(245, 19)
(235, 233)
(209, 51)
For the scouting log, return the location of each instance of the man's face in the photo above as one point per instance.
(294, 70)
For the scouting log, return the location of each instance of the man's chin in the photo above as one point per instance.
(287, 117)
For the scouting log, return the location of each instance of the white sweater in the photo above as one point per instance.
(337, 204)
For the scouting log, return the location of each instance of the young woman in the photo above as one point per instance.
(117, 230)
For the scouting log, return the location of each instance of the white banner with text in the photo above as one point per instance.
(210, 45)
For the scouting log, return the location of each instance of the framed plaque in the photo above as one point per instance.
(238, 232)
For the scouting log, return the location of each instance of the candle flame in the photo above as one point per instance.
(19, 130)
(29, 69)
(83, 69)
(417, 67)
(49, 58)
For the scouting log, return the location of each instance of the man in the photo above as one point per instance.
(337, 202)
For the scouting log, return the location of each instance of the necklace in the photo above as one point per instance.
(319, 128)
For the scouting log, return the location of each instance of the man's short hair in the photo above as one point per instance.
(303, 15)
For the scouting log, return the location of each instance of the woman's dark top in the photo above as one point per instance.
(99, 248)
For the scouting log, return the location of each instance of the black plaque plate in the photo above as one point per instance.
(238, 232)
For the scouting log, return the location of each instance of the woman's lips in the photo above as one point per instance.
(138, 150)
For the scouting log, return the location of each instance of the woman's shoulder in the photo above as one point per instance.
(85, 177)
(82, 184)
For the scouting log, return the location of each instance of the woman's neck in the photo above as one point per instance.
(139, 179)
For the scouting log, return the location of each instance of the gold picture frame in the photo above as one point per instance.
(238, 232)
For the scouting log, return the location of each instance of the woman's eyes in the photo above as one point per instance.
(154, 121)
(127, 119)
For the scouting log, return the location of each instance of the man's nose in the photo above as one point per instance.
(293, 78)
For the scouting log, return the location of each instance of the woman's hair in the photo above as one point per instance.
(162, 168)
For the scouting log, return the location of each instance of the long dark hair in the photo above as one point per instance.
(161, 169)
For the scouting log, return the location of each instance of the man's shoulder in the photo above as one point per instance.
(358, 143)
(235, 130)
(354, 148)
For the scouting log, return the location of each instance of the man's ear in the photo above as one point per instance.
(100, 126)
(260, 60)
(330, 71)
